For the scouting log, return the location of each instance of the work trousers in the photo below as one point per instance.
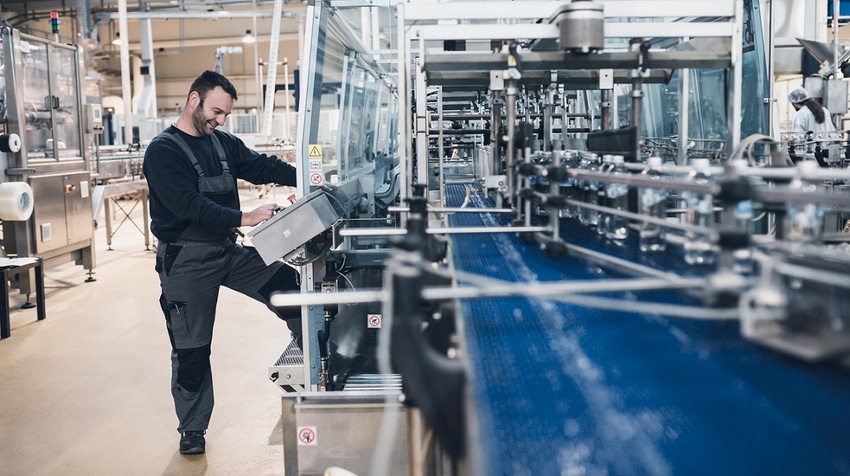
(190, 275)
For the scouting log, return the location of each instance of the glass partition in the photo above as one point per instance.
(706, 92)
(50, 101)
(351, 109)
(63, 85)
(357, 121)
(386, 139)
(37, 100)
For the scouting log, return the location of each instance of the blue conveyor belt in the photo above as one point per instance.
(562, 389)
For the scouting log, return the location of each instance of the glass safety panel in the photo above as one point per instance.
(63, 82)
(386, 138)
(358, 121)
(37, 101)
(328, 81)
(707, 132)
(352, 114)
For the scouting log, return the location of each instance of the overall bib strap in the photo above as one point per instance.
(175, 137)
(225, 169)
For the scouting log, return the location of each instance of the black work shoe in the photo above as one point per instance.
(192, 443)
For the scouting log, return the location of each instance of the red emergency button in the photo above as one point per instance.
(69, 187)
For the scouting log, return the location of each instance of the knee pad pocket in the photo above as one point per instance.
(193, 366)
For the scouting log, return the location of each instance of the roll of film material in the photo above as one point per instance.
(10, 143)
(16, 203)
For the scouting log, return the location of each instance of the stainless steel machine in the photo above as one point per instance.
(42, 105)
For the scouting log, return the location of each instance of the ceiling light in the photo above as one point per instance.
(248, 38)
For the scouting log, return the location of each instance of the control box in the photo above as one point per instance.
(293, 226)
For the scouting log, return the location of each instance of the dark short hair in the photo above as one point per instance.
(209, 80)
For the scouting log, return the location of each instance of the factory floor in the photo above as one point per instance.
(86, 391)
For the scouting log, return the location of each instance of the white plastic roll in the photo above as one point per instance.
(15, 201)
(10, 143)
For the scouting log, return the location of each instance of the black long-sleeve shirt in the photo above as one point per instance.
(175, 200)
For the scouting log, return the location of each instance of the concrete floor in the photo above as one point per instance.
(86, 391)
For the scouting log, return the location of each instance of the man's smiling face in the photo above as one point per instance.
(211, 111)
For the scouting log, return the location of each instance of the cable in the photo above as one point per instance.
(350, 284)
(747, 144)
(350, 304)
(329, 192)
(298, 261)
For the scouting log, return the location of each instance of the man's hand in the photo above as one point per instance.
(259, 214)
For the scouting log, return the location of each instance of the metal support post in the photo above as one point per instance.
(510, 118)
(637, 97)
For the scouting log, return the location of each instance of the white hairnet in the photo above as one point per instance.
(798, 95)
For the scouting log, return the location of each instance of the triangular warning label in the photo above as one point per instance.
(314, 151)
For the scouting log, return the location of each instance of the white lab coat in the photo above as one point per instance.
(804, 121)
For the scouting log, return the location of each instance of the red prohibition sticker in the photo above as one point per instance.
(307, 435)
(373, 321)
(316, 178)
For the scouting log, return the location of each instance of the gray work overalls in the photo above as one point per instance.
(191, 269)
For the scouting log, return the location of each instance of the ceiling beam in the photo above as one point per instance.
(195, 42)
(213, 15)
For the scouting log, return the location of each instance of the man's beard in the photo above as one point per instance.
(199, 121)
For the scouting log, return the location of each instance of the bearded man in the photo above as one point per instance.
(191, 169)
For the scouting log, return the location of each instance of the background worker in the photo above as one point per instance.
(814, 118)
(810, 115)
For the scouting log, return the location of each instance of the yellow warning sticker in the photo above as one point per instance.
(314, 151)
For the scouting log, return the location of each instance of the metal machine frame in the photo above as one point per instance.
(421, 26)
(61, 228)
